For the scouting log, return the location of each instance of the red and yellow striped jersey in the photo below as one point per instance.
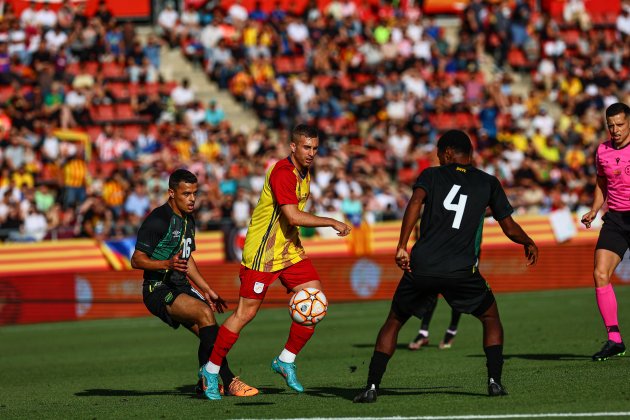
(271, 243)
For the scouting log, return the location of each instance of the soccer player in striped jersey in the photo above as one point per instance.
(164, 249)
(273, 251)
(613, 187)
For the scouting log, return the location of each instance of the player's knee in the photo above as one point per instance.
(206, 317)
(601, 277)
(245, 315)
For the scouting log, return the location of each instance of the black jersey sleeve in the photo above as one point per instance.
(151, 233)
(499, 204)
(425, 180)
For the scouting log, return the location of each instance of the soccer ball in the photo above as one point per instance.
(308, 306)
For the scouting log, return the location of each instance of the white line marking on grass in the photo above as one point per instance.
(478, 416)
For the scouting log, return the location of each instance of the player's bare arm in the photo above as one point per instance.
(216, 302)
(598, 201)
(515, 232)
(296, 217)
(142, 261)
(412, 214)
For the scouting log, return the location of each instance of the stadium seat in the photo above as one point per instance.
(102, 113)
(124, 112)
(113, 71)
(131, 132)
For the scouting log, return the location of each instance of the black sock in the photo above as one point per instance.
(207, 337)
(455, 316)
(378, 365)
(226, 374)
(494, 361)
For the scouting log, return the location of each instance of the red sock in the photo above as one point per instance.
(225, 341)
(298, 336)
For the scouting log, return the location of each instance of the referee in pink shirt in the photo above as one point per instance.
(613, 186)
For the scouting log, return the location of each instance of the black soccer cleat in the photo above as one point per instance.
(366, 396)
(495, 389)
(199, 388)
(610, 349)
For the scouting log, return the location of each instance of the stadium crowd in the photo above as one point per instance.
(380, 82)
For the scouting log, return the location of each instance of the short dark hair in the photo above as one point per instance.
(303, 130)
(618, 108)
(456, 140)
(181, 175)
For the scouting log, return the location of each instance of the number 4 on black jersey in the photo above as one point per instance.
(452, 221)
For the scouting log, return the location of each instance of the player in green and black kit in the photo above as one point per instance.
(445, 259)
(164, 249)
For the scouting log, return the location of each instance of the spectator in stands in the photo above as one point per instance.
(167, 21)
(45, 18)
(214, 114)
(183, 95)
(97, 219)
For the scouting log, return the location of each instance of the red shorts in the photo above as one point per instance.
(254, 284)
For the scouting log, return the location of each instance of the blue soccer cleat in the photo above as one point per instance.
(288, 371)
(210, 384)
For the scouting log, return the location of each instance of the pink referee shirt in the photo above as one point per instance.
(614, 164)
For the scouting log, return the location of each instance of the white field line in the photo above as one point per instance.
(480, 416)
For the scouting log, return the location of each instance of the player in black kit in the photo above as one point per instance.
(445, 258)
(164, 249)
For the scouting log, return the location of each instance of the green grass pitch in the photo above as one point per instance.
(140, 368)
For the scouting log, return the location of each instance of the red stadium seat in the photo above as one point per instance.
(102, 113)
(131, 132)
(124, 112)
(113, 71)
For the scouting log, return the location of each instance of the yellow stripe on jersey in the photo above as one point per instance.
(272, 243)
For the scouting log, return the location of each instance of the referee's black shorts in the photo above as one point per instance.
(158, 296)
(615, 233)
(416, 294)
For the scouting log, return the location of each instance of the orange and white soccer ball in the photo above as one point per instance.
(308, 306)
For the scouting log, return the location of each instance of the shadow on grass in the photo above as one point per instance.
(399, 346)
(349, 394)
(184, 390)
(541, 356)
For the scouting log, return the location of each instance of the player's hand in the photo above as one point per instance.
(402, 259)
(588, 218)
(216, 302)
(342, 229)
(531, 253)
(177, 263)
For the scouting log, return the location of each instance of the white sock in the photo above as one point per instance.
(451, 332)
(212, 368)
(424, 333)
(286, 356)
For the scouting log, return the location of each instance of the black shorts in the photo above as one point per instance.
(157, 297)
(615, 233)
(416, 294)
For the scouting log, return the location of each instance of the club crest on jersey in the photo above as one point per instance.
(177, 233)
(259, 287)
(627, 170)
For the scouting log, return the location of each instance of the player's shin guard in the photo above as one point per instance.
(298, 337)
(378, 365)
(225, 341)
(494, 361)
(607, 304)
